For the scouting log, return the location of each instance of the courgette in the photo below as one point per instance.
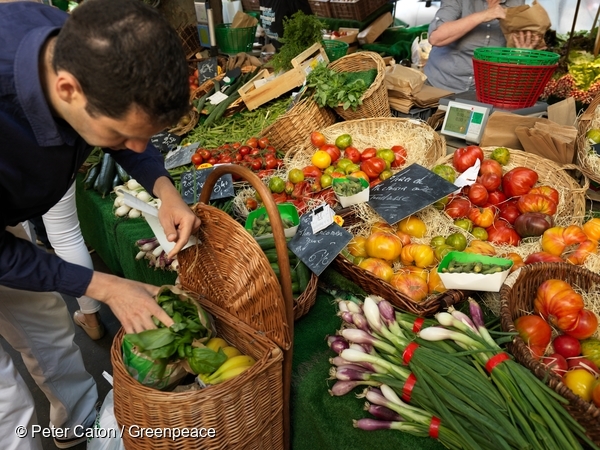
(123, 175)
(220, 108)
(116, 180)
(91, 176)
(106, 176)
(269, 243)
(303, 275)
(202, 100)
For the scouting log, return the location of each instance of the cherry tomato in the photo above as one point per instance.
(197, 159)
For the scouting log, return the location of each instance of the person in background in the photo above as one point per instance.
(458, 28)
(112, 74)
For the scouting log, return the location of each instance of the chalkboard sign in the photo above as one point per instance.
(407, 192)
(318, 250)
(193, 181)
(207, 69)
(596, 148)
(180, 156)
(165, 141)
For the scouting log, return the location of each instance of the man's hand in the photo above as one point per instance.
(494, 11)
(525, 39)
(176, 217)
(132, 302)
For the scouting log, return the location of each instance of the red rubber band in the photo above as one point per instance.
(495, 360)
(408, 352)
(418, 324)
(434, 427)
(408, 387)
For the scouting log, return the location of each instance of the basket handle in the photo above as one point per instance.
(585, 180)
(284, 269)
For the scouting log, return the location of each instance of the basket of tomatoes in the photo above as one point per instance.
(553, 307)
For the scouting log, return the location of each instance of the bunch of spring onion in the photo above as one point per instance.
(446, 378)
(151, 250)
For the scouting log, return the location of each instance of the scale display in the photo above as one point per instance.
(466, 121)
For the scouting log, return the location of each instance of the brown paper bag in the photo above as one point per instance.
(532, 18)
(243, 20)
(500, 129)
(404, 79)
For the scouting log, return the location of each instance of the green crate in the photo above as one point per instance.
(234, 40)
(520, 56)
(335, 49)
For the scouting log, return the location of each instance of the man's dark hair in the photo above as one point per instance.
(123, 52)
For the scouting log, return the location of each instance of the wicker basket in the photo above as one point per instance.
(186, 124)
(572, 206)
(517, 295)
(354, 9)
(375, 100)
(586, 122)
(293, 127)
(320, 8)
(251, 5)
(245, 412)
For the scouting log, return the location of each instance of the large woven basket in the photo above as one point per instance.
(375, 100)
(572, 206)
(588, 120)
(245, 412)
(517, 296)
(293, 127)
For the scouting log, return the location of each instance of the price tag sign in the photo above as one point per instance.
(193, 181)
(408, 192)
(322, 217)
(180, 156)
(207, 69)
(596, 147)
(318, 250)
(165, 141)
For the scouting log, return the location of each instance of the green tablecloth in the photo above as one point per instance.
(319, 421)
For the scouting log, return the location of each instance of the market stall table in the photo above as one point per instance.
(318, 419)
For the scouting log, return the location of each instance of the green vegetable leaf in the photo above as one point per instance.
(205, 360)
(151, 339)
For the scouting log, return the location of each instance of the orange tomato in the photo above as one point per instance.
(481, 248)
(516, 259)
(420, 255)
(411, 285)
(423, 273)
(553, 242)
(581, 253)
(435, 284)
(573, 235)
(382, 226)
(482, 217)
(377, 267)
(356, 246)
(405, 238)
(558, 303)
(384, 246)
(413, 226)
(592, 229)
(536, 203)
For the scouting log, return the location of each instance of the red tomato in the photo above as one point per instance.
(518, 181)
(596, 393)
(244, 150)
(535, 332)
(312, 172)
(458, 207)
(490, 166)
(333, 151)
(263, 142)
(509, 212)
(465, 157)
(212, 160)
(491, 181)
(270, 163)
(352, 154)
(556, 363)
(256, 164)
(373, 166)
(368, 153)
(542, 257)
(549, 192)
(580, 362)
(501, 232)
(536, 203)
(317, 139)
(496, 197)
(566, 346)
(586, 326)
(226, 159)
(557, 302)
(197, 159)
(252, 142)
(400, 154)
(478, 194)
(205, 154)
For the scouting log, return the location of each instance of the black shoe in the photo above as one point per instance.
(68, 443)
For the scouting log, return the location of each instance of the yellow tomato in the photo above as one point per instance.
(581, 382)
(377, 267)
(413, 226)
(356, 246)
(436, 286)
(383, 245)
(420, 255)
(321, 159)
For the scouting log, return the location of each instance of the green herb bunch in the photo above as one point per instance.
(339, 88)
(300, 31)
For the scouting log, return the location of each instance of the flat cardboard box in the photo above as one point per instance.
(373, 31)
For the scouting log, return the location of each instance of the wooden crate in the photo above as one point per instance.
(264, 87)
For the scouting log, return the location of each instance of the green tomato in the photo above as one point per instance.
(480, 233)
(445, 171)
(437, 241)
(593, 135)
(442, 251)
(386, 154)
(501, 155)
(457, 240)
(465, 224)
(441, 203)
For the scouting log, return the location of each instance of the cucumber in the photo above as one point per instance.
(91, 176)
(220, 108)
(123, 175)
(202, 100)
(275, 268)
(116, 181)
(105, 178)
(303, 275)
(296, 289)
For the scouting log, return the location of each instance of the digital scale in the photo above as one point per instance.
(465, 117)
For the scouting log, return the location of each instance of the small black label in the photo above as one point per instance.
(193, 181)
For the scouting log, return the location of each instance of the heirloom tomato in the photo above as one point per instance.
(585, 326)
(516, 259)
(490, 166)
(518, 181)
(581, 382)
(411, 285)
(356, 246)
(458, 207)
(343, 141)
(536, 257)
(382, 226)
(549, 192)
(558, 303)
(405, 238)
(445, 171)
(480, 248)
(400, 156)
(377, 267)
(501, 232)
(382, 245)
(317, 139)
(465, 157)
(420, 255)
(436, 241)
(368, 153)
(536, 203)
(442, 250)
(413, 226)
(532, 224)
(478, 194)
(312, 172)
(496, 198)
(422, 272)
(482, 217)
(479, 233)
(352, 154)
(592, 229)
(457, 241)
(509, 212)
(435, 283)
(573, 235)
(333, 152)
(581, 253)
(373, 166)
(465, 224)
(501, 154)
(490, 181)
(535, 332)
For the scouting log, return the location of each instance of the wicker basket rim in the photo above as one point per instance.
(583, 126)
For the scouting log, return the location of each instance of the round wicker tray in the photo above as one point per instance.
(586, 122)
(375, 100)
(517, 295)
(186, 124)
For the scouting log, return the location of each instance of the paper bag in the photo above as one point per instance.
(500, 129)
(532, 18)
(404, 79)
(243, 20)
